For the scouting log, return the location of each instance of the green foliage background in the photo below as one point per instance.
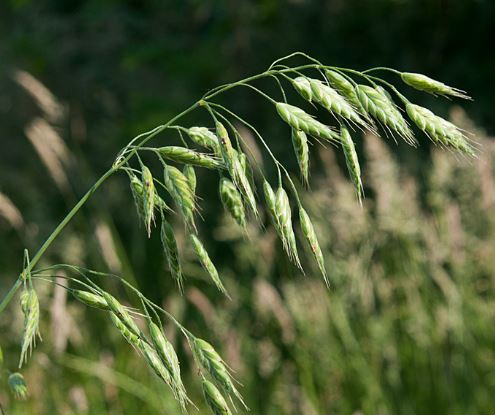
(408, 326)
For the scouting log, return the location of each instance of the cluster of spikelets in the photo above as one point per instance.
(364, 106)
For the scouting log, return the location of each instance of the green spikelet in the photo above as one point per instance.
(31, 309)
(207, 264)
(241, 180)
(335, 103)
(381, 107)
(154, 362)
(284, 220)
(310, 235)
(226, 149)
(302, 85)
(211, 361)
(188, 156)
(148, 198)
(440, 131)
(352, 161)
(204, 137)
(248, 171)
(190, 174)
(178, 186)
(301, 120)
(214, 399)
(425, 83)
(232, 201)
(137, 191)
(90, 299)
(18, 386)
(121, 313)
(346, 88)
(172, 253)
(300, 144)
(132, 338)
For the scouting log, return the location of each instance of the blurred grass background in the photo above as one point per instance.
(408, 325)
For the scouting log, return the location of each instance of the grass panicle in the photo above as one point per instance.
(172, 253)
(301, 120)
(440, 131)
(187, 156)
(310, 235)
(207, 263)
(31, 309)
(352, 161)
(301, 148)
(424, 83)
(180, 190)
(18, 386)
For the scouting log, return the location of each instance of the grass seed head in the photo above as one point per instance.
(154, 361)
(301, 120)
(172, 253)
(351, 160)
(130, 335)
(18, 385)
(310, 235)
(248, 171)
(232, 201)
(426, 84)
(215, 399)
(300, 144)
(31, 308)
(440, 131)
(190, 174)
(204, 137)
(122, 314)
(90, 299)
(207, 263)
(241, 180)
(340, 83)
(226, 149)
(188, 156)
(180, 190)
(137, 190)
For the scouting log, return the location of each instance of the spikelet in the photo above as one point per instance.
(167, 355)
(232, 201)
(178, 187)
(31, 309)
(132, 338)
(154, 362)
(121, 314)
(137, 191)
(310, 235)
(204, 137)
(246, 167)
(303, 86)
(207, 263)
(90, 299)
(382, 108)
(226, 149)
(301, 120)
(18, 386)
(241, 180)
(300, 144)
(425, 83)
(215, 399)
(346, 88)
(148, 198)
(188, 156)
(352, 161)
(334, 103)
(440, 131)
(190, 174)
(172, 253)
(284, 220)
(211, 361)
